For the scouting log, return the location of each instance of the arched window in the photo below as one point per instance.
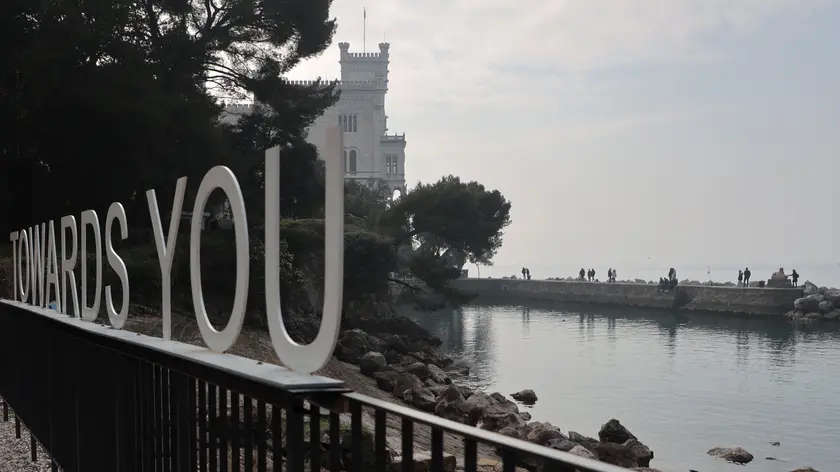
(346, 163)
(351, 166)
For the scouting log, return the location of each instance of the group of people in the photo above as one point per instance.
(526, 273)
(744, 277)
(590, 275)
(670, 283)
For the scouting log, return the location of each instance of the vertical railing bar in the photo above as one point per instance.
(192, 422)
(276, 437)
(294, 436)
(212, 429)
(236, 432)
(202, 426)
(509, 460)
(262, 459)
(224, 429)
(407, 445)
(33, 446)
(470, 455)
(356, 451)
(437, 449)
(380, 430)
(248, 414)
(315, 437)
(335, 442)
(158, 417)
(17, 427)
(166, 420)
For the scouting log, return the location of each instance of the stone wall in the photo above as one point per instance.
(755, 301)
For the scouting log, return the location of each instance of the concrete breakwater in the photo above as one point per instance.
(735, 300)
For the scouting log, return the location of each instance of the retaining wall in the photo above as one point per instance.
(754, 301)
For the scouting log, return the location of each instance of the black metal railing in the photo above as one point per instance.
(98, 402)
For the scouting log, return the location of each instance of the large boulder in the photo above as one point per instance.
(371, 363)
(614, 432)
(386, 379)
(581, 451)
(585, 441)
(809, 303)
(421, 398)
(737, 455)
(355, 343)
(643, 453)
(437, 375)
(405, 382)
(543, 433)
(810, 288)
(452, 405)
(525, 396)
(825, 306)
(832, 295)
(617, 454)
(419, 369)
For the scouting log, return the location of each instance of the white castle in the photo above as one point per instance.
(370, 153)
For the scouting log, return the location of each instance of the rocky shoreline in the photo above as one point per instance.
(816, 304)
(415, 372)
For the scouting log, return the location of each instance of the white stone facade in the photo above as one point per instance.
(370, 153)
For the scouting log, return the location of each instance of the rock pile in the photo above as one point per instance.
(423, 378)
(816, 304)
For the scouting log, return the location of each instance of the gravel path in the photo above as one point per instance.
(15, 454)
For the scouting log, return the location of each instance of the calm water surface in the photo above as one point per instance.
(682, 383)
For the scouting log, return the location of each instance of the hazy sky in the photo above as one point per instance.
(688, 131)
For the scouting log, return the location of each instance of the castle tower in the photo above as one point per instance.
(370, 153)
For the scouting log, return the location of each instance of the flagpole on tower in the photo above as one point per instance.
(364, 29)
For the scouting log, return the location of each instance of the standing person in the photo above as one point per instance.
(613, 275)
(528, 273)
(524, 270)
(747, 275)
(795, 278)
(593, 274)
(582, 274)
(609, 275)
(740, 277)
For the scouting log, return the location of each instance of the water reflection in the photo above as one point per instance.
(684, 382)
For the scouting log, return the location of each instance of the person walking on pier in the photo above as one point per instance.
(794, 276)
(524, 270)
(613, 276)
(740, 277)
(582, 274)
(747, 274)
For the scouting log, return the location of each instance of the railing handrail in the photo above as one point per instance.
(484, 436)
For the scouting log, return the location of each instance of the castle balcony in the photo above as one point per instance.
(392, 138)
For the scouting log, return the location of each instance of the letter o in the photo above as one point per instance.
(23, 250)
(220, 177)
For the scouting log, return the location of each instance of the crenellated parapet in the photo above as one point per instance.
(340, 84)
(393, 138)
(381, 56)
(238, 108)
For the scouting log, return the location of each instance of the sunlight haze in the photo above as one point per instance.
(687, 131)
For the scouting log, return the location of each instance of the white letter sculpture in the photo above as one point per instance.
(166, 250)
(311, 357)
(222, 178)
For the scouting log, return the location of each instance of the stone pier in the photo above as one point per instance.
(734, 300)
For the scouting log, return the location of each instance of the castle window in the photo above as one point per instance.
(349, 123)
(391, 165)
(351, 164)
